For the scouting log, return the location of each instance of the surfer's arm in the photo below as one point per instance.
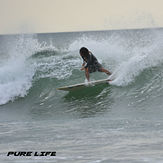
(83, 65)
(82, 68)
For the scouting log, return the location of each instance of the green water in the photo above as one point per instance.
(121, 122)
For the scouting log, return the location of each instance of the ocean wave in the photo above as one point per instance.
(127, 54)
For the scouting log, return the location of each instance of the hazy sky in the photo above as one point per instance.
(17, 16)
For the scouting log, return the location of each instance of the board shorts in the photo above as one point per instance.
(94, 67)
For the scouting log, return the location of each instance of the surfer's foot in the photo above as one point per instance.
(109, 80)
(108, 73)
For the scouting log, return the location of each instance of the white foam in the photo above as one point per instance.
(126, 57)
(122, 56)
(142, 59)
(17, 71)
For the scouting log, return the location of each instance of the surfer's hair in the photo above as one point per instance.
(84, 52)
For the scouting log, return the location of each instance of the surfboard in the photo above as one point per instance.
(82, 85)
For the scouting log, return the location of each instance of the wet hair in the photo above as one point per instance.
(84, 52)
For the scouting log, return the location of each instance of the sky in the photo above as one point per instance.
(42, 16)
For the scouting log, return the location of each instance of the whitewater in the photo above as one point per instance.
(122, 122)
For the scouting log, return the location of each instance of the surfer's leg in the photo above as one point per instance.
(87, 73)
(106, 71)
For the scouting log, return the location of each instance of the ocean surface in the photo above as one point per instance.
(117, 123)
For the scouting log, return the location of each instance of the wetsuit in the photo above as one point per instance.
(92, 63)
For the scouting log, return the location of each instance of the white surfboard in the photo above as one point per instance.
(82, 85)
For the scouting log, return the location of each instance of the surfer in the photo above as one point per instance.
(90, 63)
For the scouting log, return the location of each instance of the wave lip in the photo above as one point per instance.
(16, 72)
(15, 80)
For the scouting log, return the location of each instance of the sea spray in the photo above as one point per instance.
(29, 59)
(17, 71)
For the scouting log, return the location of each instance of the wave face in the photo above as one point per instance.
(33, 66)
(120, 122)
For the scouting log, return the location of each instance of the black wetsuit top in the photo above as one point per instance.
(91, 60)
